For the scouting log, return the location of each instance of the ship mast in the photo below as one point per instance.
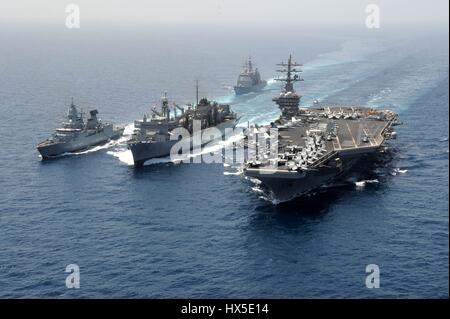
(165, 106)
(288, 100)
(250, 66)
(196, 92)
(291, 71)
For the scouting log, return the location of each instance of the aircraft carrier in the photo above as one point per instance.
(316, 145)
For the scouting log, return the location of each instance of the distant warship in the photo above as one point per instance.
(76, 135)
(316, 145)
(249, 79)
(151, 137)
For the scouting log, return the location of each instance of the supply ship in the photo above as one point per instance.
(152, 134)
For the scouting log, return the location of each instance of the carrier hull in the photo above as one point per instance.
(286, 185)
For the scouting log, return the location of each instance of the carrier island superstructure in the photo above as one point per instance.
(319, 144)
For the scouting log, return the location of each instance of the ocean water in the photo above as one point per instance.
(197, 230)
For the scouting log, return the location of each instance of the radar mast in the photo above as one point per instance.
(291, 70)
(288, 100)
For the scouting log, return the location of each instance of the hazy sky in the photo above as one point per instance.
(317, 12)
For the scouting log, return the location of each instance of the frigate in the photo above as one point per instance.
(152, 135)
(75, 135)
(249, 79)
(315, 146)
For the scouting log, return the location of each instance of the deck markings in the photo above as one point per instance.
(339, 143)
(351, 135)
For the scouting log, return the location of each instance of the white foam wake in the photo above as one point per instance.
(120, 151)
(217, 145)
(397, 171)
(362, 184)
(271, 81)
(232, 173)
(123, 155)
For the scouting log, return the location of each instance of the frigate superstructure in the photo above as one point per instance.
(249, 79)
(77, 135)
(152, 135)
(315, 145)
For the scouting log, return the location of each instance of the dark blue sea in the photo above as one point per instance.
(204, 231)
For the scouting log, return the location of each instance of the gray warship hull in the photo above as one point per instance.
(143, 151)
(239, 90)
(83, 141)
